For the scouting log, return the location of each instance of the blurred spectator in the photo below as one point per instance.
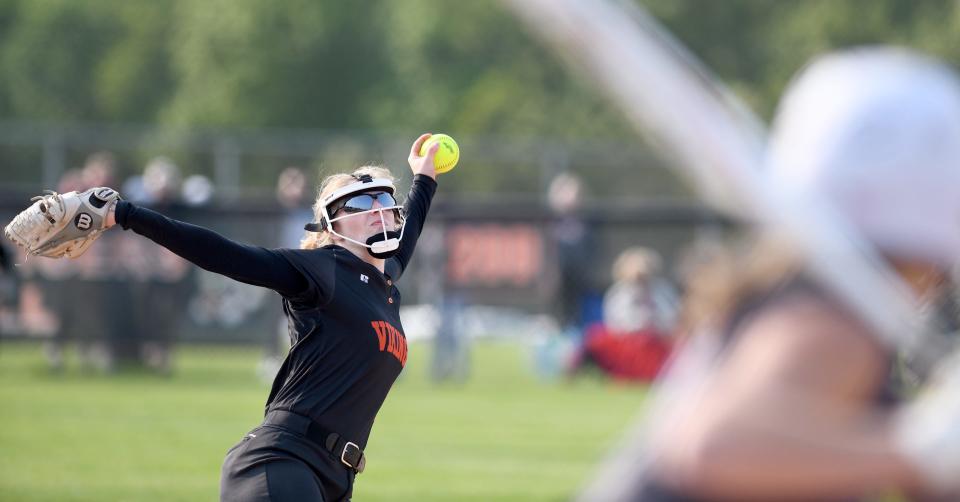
(132, 189)
(101, 316)
(105, 283)
(160, 286)
(450, 358)
(639, 311)
(71, 180)
(640, 299)
(98, 170)
(294, 198)
(570, 236)
(9, 290)
(161, 181)
(197, 190)
(292, 190)
(567, 234)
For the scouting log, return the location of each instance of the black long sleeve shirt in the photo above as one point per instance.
(343, 314)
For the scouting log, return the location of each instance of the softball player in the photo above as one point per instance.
(342, 309)
(793, 396)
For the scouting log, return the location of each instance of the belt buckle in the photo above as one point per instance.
(343, 456)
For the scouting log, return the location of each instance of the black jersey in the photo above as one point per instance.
(348, 345)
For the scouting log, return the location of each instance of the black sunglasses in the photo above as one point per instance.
(363, 202)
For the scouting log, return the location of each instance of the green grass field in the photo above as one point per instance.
(137, 437)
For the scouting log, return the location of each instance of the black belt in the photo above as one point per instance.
(348, 452)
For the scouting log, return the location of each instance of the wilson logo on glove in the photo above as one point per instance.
(83, 221)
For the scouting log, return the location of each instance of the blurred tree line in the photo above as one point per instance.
(467, 68)
(365, 64)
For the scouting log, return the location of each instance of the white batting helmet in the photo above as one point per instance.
(876, 132)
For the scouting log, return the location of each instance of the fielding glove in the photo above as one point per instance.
(59, 225)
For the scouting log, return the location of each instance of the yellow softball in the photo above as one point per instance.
(448, 154)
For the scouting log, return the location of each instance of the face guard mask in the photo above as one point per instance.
(357, 199)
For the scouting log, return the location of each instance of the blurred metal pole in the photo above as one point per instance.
(54, 160)
(226, 162)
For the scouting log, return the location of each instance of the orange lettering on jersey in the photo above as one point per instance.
(381, 336)
(391, 340)
(395, 346)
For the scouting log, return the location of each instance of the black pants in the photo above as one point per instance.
(274, 463)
